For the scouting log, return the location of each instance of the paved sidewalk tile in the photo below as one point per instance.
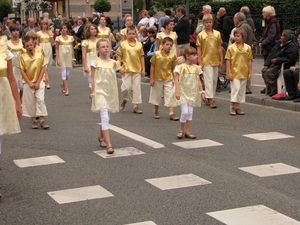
(258, 214)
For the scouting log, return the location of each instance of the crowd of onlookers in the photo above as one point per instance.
(186, 28)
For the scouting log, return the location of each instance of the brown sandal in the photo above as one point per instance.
(102, 142)
(190, 135)
(180, 135)
(110, 150)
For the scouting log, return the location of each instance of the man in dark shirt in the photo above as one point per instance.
(182, 29)
(224, 26)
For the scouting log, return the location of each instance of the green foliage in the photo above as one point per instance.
(287, 12)
(160, 5)
(102, 6)
(5, 8)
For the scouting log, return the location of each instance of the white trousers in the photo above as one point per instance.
(238, 89)
(186, 112)
(65, 72)
(210, 74)
(33, 103)
(104, 116)
(132, 81)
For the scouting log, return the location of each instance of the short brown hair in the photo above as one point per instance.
(189, 51)
(240, 31)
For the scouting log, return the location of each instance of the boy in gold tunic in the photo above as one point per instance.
(131, 55)
(163, 63)
(210, 57)
(239, 70)
(32, 65)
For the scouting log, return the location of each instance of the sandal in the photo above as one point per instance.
(110, 150)
(191, 136)
(180, 135)
(62, 88)
(102, 142)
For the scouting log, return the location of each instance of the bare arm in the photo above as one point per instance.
(14, 88)
(152, 69)
(250, 69)
(176, 82)
(199, 53)
(220, 51)
(228, 69)
(143, 65)
(85, 67)
(57, 53)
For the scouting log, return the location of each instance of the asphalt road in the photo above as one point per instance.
(27, 192)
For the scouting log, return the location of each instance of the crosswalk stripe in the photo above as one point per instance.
(136, 137)
(258, 214)
(79, 194)
(38, 161)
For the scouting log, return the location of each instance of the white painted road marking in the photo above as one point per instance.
(258, 214)
(268, 136)
(179, 181)
(120, 152)
(79, 194)
(197, 144)
(136, 137)
(38, 161)
(270, 170)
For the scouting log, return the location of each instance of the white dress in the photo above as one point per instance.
(9, 123)
(106, 86)
(65, 51)
(91, 53)
(188, 85)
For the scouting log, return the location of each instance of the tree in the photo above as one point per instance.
(102, 6)
(5, 8)
(171, 4)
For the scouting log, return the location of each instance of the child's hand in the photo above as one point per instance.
(177, 96)
(58, 62)
(73, 63)
(220, 64)
(19, 111)
(203, 97)
(143, 73)
(86, 69)
(230, 77)
(122, 71)
(152, 82)
(37, 85)
(249, 77)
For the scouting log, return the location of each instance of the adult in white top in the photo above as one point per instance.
(152, 20)
(144, 21)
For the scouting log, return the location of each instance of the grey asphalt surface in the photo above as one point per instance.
(73, 137)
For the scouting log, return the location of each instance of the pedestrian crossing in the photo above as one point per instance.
(256, 214)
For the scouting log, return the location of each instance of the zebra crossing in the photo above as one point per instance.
(252, 214)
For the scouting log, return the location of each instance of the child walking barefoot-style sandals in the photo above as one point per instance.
(109, 149)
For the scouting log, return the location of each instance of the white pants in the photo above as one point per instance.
(186, 112)
(65, 72)
(104, 116)
(132, 81)
(90, 81)
(33, 103)
(238, 89)
(210, 74)
(161, 88)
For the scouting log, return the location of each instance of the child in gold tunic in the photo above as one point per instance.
(210, 57)
(131, 55)
(32, 64)
(188, 88)
(105, 90)
(161, 78)
(65, 56)
(10, 104)
(239, 70)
